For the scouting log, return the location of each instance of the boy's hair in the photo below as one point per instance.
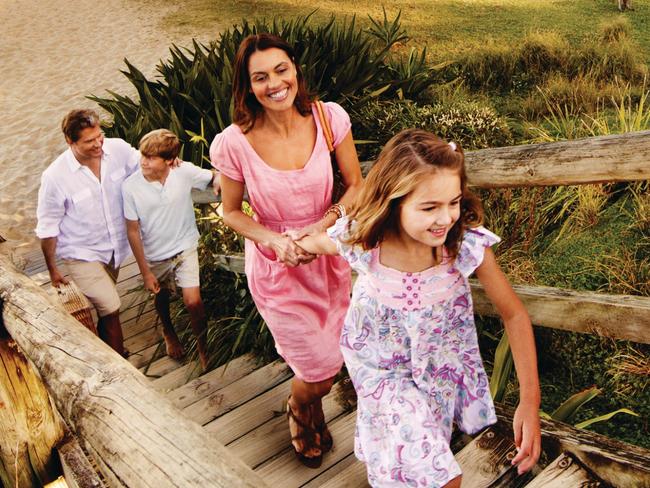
(77, 120)
(404, 160)
(246, 106)
(160, 143)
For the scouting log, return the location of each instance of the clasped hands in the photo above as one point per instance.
(287, 251)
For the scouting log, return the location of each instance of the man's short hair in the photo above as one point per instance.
(160, 143)
(76, 121)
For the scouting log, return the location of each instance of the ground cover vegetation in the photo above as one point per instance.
(542, 86)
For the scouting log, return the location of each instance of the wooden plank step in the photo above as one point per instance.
(141, 359)
(485, 462)
(284, 470)
(145, 339)
(566, 472)
(213, 381)
(272, 437)
(251, 415)
(219, 402)
(163, 367)
(351, 474)
(173, 378)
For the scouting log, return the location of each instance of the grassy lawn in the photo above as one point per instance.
(448, 27)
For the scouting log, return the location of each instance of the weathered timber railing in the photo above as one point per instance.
(136, 436)
(624, 157)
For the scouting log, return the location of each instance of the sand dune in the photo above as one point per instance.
(54, 54)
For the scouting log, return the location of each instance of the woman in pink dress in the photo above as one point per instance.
(277, 150)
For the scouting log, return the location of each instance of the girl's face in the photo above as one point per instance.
(273, 79)
(431, 209)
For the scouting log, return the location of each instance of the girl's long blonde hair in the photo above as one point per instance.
(403, 162)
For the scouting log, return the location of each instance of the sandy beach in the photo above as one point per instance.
(54, 54)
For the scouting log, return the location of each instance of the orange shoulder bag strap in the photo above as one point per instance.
(325, 124)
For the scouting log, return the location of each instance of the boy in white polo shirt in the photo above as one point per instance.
(161, 229)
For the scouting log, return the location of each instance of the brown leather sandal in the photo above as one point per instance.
(308, 438)
(326, 440)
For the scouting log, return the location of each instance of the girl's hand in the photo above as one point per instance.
(310, 230)
(288, 252)
(528, 437)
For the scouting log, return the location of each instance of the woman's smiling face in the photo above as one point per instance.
(273, 79)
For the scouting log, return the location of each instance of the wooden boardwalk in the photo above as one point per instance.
(241, 405)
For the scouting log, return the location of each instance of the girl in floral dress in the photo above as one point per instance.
(409, 339)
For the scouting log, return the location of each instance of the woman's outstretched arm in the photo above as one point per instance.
(522, 343)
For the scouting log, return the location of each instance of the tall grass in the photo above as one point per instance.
(542, 55)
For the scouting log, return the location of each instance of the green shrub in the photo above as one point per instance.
(341, 63)
(471, 124)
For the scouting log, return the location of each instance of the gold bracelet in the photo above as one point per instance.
(338, 209)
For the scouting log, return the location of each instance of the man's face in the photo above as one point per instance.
(89, 145)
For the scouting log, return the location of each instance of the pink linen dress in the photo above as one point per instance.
(410, 346)
(304, 307)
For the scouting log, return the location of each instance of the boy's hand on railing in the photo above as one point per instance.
(216, 186)
(151, 283)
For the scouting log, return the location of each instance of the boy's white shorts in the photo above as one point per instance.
(181, 270)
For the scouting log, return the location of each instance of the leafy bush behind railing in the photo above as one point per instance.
(192, 94)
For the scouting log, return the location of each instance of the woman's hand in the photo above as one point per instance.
(297, 234)
(528, 437)
(288, 252)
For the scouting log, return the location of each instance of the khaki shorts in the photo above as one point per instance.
(97, 281)
(181, 270)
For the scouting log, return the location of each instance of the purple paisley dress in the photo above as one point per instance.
(410, 346)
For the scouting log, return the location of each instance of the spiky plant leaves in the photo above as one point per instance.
(502, 370)
(602, 418)
(568, 408)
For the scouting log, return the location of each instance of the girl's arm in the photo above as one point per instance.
(232, 195)
(319, 243)
(522, 343)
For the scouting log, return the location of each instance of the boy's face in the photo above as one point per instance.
(154, 167)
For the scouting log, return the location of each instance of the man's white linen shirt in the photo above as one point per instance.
(85, 214)
(165, 212)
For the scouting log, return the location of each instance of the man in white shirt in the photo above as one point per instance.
(161, 229)
(80, 217)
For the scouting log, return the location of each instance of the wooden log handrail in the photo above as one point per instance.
(620, 157)
(604, 159)
(136, 436)
(615, 316)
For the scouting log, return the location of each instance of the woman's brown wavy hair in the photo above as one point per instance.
(408, 157)
(246, 106)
